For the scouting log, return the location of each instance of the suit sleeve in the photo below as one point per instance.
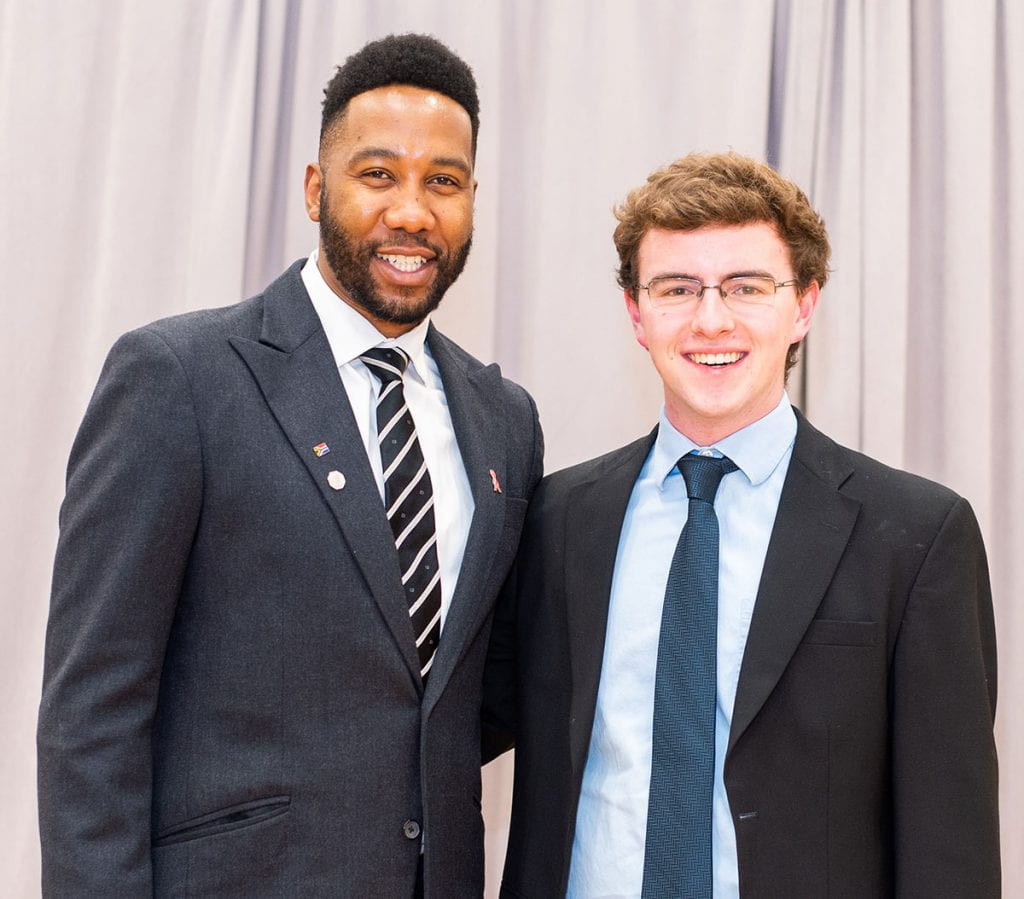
(498, 720)
(945, 790)
(127, 524)
(537, 466)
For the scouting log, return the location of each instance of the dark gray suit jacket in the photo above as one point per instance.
(231, 702)
(861, 760)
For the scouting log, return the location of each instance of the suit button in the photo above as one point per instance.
(411, 829)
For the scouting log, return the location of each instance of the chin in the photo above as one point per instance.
(405, 313)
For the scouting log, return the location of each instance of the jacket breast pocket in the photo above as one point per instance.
(829, 632)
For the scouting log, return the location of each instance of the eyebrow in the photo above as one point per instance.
(745, 273)
(449, 162)
(750, 273)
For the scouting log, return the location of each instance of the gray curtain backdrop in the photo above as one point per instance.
(151, 162)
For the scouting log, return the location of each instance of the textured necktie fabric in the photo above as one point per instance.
(409, 501)
(677, 857)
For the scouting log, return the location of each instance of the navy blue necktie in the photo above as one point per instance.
(677, 858)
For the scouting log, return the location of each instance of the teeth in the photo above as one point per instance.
(403, 263)
(715, 358)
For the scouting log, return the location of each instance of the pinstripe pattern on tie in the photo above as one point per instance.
(408, 501)
(677, 858)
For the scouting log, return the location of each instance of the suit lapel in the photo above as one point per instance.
(812, 528)
(597, 508)
(293, 364)
(476, 405)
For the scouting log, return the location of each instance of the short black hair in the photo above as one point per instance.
(418, 60)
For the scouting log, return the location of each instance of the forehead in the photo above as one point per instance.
(405, 119)
(713, 251)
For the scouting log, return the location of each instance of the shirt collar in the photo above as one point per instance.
(351, 334)
(756, 449)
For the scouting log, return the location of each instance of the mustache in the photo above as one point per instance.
(406, 241)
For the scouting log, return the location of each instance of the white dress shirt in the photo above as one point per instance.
(351, 334)
(611, 820)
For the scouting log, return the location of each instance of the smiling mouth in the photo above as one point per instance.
(404, 263)
(715, 359)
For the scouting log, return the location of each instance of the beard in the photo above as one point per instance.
(350, 262)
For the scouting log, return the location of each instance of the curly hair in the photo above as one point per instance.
(709, 189)
(414, 59)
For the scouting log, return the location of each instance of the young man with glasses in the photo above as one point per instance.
(742, 659)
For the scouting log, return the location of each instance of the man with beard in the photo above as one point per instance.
(285, 526)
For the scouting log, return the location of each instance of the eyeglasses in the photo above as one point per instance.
(737, 293)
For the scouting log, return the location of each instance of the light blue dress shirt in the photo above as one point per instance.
(611, 820)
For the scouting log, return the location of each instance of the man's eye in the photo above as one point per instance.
(444, 181)
(679, 290)
(747, 289)
(376, 175)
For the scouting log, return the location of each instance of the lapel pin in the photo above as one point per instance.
(321, 449)
(336, 479)
(494, 481)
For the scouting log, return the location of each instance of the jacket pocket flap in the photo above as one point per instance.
(230, 818)
(841, 633)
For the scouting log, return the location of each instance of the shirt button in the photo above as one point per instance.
(411, 829)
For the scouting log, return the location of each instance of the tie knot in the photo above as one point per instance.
(703, 474)
(386, 363)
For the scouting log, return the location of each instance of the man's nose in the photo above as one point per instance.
(712, 315)
(409, 210)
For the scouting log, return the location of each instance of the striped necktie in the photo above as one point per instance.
(409, 501)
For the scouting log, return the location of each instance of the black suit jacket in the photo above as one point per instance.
(861, 759)
(232, 703)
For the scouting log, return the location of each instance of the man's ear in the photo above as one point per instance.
(807, 303)
(311, 188)
(633, 309)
